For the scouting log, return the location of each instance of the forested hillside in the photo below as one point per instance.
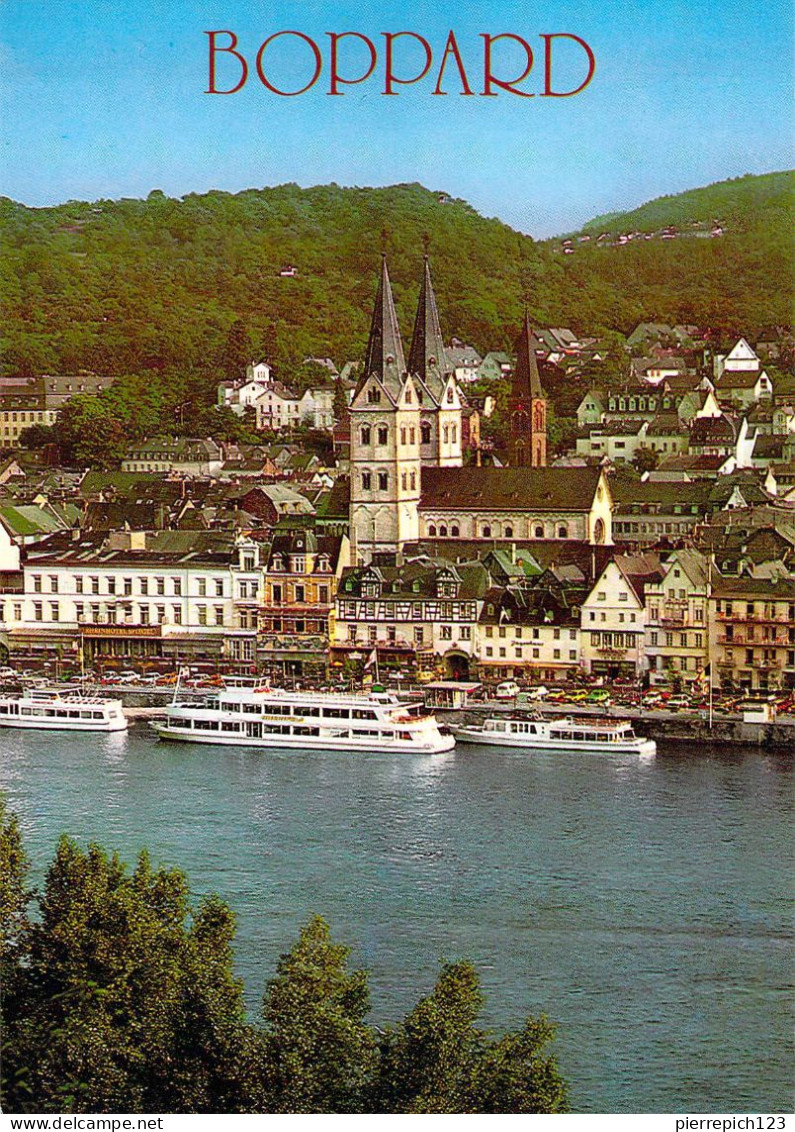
(155, 286)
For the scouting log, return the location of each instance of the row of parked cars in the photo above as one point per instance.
(654, 699)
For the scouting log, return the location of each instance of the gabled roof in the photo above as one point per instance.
(509, 489)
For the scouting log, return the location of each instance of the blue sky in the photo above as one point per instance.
(107, 99)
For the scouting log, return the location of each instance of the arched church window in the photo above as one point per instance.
(443, 532)
(403, 435)
(425, 433)
(383, 481)
(374, 395)
(446, 431)
(432, 530)
(509, 532)
(539, 418)
(403, 480)
(367, 481)
(450, 393)
(382, 434)
(408, 396)
(454, 433)
(599, 531)
(365, 434)
(413, 481)
(487, 531)
(454, 530)
(412, 435)
(563, 531)
(538, 531)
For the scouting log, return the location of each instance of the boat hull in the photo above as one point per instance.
(535, 745)
(439, 745)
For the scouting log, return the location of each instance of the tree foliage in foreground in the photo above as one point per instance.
(119, 996)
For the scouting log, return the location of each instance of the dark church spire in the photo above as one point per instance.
(427, 358)
(384, 348)
(528, 406)
(526, 382)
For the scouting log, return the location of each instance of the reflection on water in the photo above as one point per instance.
(642, 904)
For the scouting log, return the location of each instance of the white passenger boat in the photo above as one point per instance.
(269, 717)
(61, 711)
(563, 733)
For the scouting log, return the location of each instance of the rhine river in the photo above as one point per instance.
(645, 906)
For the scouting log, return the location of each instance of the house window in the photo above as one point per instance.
(374, 395)
(177, 583)
(79, 585)
(202, 587)
(364, 433)
(143, 582)
(382, 434)
(219, 614)
(383, 481)
(425, 433)
(219, 587)
(127, 587)
(367, 480)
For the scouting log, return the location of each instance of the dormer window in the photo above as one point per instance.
(278, 562)
(298, 564)
(408, 397)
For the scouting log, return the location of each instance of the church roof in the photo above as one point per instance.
(509, 489)
(427, 357)
(526, 382)
(384, 356)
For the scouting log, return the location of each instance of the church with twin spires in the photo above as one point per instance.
(408, 478)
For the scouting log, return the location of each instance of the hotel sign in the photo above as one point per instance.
(121, 631)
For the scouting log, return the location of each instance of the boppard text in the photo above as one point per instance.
(289, 63)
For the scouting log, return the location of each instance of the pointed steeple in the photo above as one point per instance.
(526, 382)
(427, 357)
(528, 405)
(384, 348)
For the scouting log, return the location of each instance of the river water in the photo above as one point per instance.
(645, 906)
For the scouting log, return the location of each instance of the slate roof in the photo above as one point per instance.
(509, 489)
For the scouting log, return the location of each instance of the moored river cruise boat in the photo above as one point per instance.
(599, 737)
(267, 717)
(56, 711)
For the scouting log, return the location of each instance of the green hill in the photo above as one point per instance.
(155, 286)
(733, 203)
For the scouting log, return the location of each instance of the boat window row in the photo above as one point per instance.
(258, 730)
(51, 712)
(299, 710)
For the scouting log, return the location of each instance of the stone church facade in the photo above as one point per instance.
(408, 479)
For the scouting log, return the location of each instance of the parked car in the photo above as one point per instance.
(598, 696)
(508, 690)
